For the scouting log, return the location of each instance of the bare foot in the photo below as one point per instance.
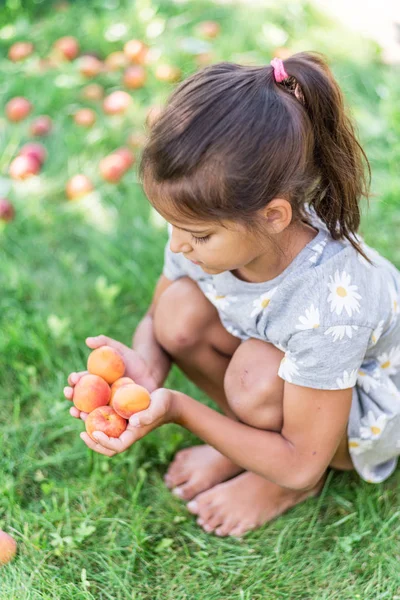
(244, 503)
(197, 469)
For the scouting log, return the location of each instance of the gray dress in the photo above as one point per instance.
(337, 319)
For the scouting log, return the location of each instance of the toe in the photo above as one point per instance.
(226, 527)
(241, 529)
(186, 491)
(213, 522)
(193, 507)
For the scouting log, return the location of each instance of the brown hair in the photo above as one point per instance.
(231, 139)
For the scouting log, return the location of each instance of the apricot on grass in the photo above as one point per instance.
(18, 108)
(93, 91)
(90, 392)
(20, 51)
(7, 211)
(130, 399)
(78, 186)
(41, 126)
(8, 548)
(105, 419)
(112, 167)
(24, 166)
(118, 384)
(67, 47)
(117, 102)
(85, 117)
(107, 363)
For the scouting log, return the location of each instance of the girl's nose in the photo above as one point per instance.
(177, 244)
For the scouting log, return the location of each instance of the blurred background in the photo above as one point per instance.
(81, 250)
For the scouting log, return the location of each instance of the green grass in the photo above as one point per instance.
(89, 527)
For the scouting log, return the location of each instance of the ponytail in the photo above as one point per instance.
(338, 156)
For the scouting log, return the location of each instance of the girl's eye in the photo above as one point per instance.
(201, 240)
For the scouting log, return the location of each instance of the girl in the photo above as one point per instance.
(269, 301)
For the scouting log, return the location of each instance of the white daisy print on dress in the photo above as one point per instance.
(343, 295)
(219, 301)
(371, 426)
(358, 446)
(339, 331)
(310, 320)
(390, 362)
(318, 249)
(366, 381)
(262, 302)
(288, 368)
(348, 381)
(377, 332)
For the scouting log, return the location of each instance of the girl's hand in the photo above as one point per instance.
(160, 411)
(136, 369)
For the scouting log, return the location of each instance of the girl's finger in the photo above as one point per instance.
(120, 444)
(68, 393)
(74, 412)
(96, 447)
(102, 340)
(75, 377)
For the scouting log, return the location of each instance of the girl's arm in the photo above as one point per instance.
(297, 457)
(145, 343)
(314, 422)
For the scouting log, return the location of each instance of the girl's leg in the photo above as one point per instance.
(202, 348)
(247, 501)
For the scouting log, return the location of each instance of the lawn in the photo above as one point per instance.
(93, 528)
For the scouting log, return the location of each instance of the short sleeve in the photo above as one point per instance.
(326, 358)
(173, 268)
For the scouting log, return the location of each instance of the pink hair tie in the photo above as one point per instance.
(279, 70)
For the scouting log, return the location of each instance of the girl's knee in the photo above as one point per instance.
(181, 316)
(253, 389)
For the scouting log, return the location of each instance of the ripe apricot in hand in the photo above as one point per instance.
(90, 392)
(130, 399)
(107, 363)
(105, 419)
(118, 384)
(8, 548)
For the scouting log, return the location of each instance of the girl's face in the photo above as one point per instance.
(214, 247)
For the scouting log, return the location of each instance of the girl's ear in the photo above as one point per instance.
(277, 215)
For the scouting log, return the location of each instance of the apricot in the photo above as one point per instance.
(116, 61)
(37, 151)
(93, 91)
(41, 126)
(130, 399)
(8, 548)
(127, 155)
(23, 167)
(105, 419)
(7, 211)
(117, 102)
(20, 51)
(112, 168)
(85, 117)
(107, 363)
(78, 186)
(136, 51)
(134, 77)
(90, 392)
(118, 384)
(90, 66)
(67, 47)
(18, 108)
(209, 29)
(168, 73)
